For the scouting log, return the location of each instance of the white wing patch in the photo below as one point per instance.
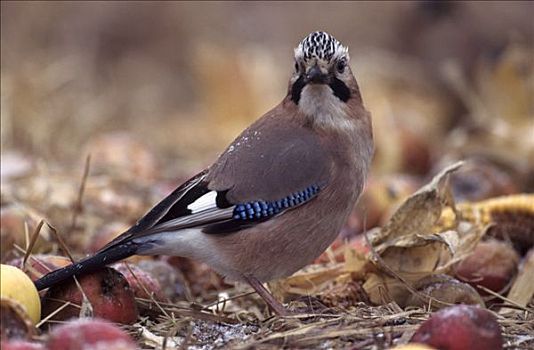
(204, 202)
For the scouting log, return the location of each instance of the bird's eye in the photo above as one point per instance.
(341, 66)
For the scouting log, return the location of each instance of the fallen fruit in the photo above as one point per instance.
(143, 284)
(89, 334)
(14, 217)
(461, 327)
(107, 291)
(17, 286)
(413, 346)
(20, 345)
(479, 179)
(40, 264)
(14, 321)
(492, 265)
(146, 288)
(439, 291)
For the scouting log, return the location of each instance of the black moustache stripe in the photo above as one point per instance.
(296, 89)
(340, 89)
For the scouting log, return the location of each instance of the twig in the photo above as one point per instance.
(77, 208)
(61, 242)
(30, 246)
(511, 302)
(52, 314)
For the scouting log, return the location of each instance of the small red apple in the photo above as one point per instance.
(89, 334)
(107, 291)
(492, 265)
(20, 345)
(461, 327)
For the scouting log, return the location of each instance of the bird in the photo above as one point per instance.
(279, 194)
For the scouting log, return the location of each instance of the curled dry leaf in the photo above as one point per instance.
(409, 248)
(419, 213)
(522, 291)
(412, 256)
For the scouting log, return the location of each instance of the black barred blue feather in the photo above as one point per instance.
(261, 209)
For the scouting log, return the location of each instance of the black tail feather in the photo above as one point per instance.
(99, 260)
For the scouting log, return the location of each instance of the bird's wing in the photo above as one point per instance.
(270, 161)
(263, 173)
(172, 206)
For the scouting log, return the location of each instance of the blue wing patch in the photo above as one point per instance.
(261, 209)
(251, 213)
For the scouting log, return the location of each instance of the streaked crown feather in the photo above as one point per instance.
(320, 45)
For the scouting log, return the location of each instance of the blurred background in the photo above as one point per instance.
(155, 90)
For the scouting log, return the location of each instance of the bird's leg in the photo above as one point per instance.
(269, 299)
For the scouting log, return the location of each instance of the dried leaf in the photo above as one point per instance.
(355, 260)
(411, 248)
(522, 291)
(417, 256)
(419, 213)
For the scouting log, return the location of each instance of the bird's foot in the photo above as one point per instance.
(269, 299)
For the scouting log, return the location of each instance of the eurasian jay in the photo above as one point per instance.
(278, 195)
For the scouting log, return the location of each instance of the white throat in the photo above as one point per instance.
(323, 108)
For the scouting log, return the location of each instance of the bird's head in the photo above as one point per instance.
(322, 81)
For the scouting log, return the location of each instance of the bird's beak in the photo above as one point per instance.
(315, 75)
